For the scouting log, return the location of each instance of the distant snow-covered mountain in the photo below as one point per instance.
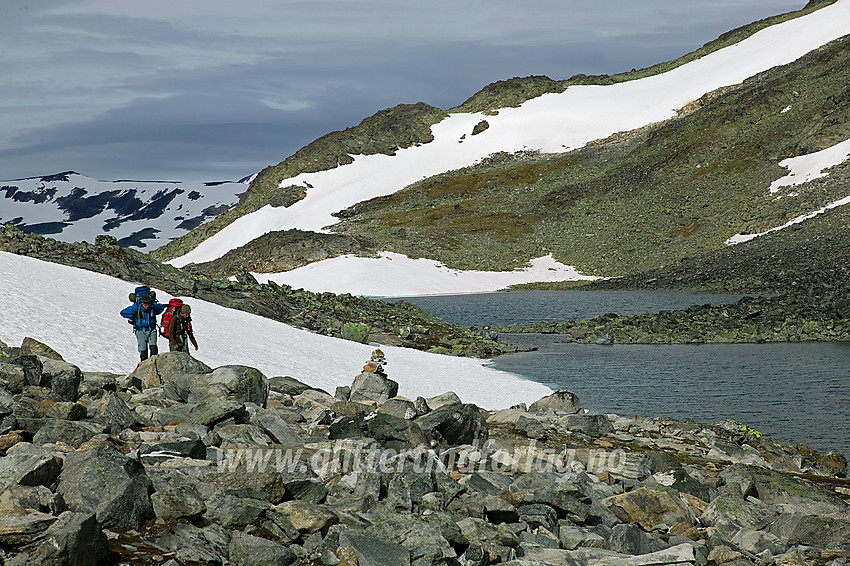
(141, 214)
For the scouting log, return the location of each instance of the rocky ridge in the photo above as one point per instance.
(177, 463)
(344, 316)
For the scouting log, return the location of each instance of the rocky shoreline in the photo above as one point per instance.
(177, 463)
(748, 320)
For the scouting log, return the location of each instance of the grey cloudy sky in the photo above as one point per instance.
(206, 90)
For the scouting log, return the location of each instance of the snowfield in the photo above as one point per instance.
(550, 123)
(79, 319)
(396, 275)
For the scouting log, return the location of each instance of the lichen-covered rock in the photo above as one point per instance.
(651, 508)
(108, 483)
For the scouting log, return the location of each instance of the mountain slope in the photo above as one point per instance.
(679, 184)
(140, 214)
(675, 190)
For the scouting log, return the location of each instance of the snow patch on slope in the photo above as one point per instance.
(393, 274)
(80, 320)
(803, 169)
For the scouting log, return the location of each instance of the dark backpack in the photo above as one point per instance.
(172, 307)
(141, 291)
(136, 298)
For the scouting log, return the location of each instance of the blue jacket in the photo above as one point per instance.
(142, 318)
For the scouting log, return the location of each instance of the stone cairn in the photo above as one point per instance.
(376, 363)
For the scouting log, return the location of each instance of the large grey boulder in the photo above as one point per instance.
(357, 491)
(207, 414)
(631, 539)
(774, 488)
(73, 433)
(571, 538)
(25, 512)
(401, 408)
(112, 412)
(13, 377)
(308, 518)
(651, 508)
(61, 377)
(442, 400)
(391, 432)
(190, 446)
(565, 496)
(209, 480)
(235, 436)
(32, 497)
(108, 483)
(196, 545)
(372, 387)
(455, 424)
(563, 401)
(539, 515)
(176, 496)
(32, 347)
(29, 464)
(74, 539)
(301, 482)
(19, 526)
(286, 385)
(95, 383)
(730, 514)
(248, 550)
(737, 480)
(373, 551)
(591, 425)
(488, 482)
(155, 371)
(812, 530)
(236, 507)
(407, 489)
(276, 428)
(424, 540)
(756, 542)
(233, 383)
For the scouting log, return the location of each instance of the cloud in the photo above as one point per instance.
(179, 88)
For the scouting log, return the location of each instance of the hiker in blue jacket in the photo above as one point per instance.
(143, 316)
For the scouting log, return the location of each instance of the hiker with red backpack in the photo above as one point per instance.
(176, 325)
(142, 315)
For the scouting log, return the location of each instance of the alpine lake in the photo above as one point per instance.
(795, 392)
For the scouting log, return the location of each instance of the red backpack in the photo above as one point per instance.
(172, 307)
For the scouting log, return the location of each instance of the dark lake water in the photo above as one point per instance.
(794, 392)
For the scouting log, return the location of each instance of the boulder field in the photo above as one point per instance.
(178, 463)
